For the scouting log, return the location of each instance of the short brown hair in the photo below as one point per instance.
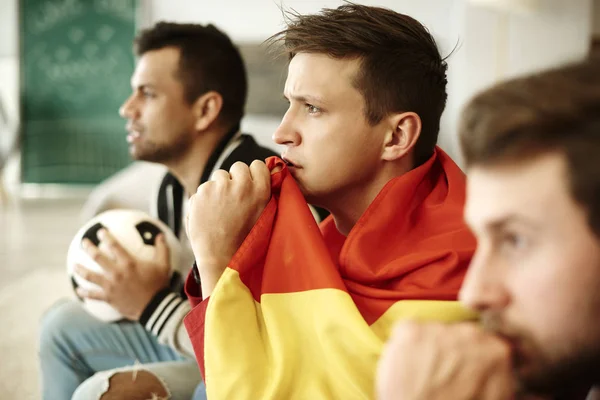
(208, 61)
(554, 111)
(401, 67)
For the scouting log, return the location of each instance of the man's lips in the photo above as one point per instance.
(133, 136)
(133, 133)
(290, 163)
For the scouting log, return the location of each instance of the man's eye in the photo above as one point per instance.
(147, 93)
(312, 109)
(513, 242)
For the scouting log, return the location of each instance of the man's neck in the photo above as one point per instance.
(347, 207)
(189, 169)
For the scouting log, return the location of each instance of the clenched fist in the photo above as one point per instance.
(434, 361)
(222, 213)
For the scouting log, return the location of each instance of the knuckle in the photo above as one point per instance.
(108, 240)
(84, 273)
(200, 192)
(259, 167)
(407, 331)
(469, 334)
(220, 175)
(95, 255)
(470, 331)
(113, 248)
(238, 165)
(201, 188)
(501, 350)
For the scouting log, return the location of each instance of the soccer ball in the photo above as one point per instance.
(136, 232)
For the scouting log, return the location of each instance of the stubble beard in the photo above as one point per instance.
(559, 375)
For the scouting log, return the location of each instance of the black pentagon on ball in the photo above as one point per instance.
(75, 286)
(92, 234)
(148, 232)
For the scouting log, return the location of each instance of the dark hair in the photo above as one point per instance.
(401, 67)
(208, 61)
(554, 111)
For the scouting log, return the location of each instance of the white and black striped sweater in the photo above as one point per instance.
(164, 314)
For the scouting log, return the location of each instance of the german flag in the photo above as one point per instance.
(303, 312)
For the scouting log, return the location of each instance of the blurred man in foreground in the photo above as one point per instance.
(533, 201)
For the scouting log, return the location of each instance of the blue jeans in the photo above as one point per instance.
(74, 346)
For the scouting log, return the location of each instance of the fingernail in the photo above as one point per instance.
(85, 244)
(102, 234)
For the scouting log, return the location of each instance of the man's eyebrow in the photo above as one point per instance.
(503, 222)
(143, 86)
(305, 99)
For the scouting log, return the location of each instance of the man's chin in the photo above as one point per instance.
(312, 196)
(301, 186)
(308, 195)
(138, 155)
(134, 152)
(562, 379)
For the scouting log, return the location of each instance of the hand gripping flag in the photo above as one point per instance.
(302, 312)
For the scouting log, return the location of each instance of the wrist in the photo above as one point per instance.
(152, 305)
(210, 273)
(209, 263)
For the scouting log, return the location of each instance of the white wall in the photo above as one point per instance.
(556, 32)
(596, 19)
(9, 69)
(256, 20)
(8, 27)
(9, 89)
(499, 43)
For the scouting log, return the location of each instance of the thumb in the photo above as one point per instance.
(162, 250)
(187, 224)
(187, 215)
(276, 169)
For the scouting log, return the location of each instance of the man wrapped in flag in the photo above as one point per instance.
(285, 310)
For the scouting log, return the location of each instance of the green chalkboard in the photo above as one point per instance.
(76, 62)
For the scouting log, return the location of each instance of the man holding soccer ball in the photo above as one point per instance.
(184, 112)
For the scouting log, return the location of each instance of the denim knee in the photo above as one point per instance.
(200, 392)
(57, 324)
(93, 387)
(122, 383)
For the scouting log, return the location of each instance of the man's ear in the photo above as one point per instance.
(206, 109)
(402, 135)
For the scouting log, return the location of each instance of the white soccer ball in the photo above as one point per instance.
(136, 232)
